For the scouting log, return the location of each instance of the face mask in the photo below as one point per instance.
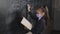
(39, 16)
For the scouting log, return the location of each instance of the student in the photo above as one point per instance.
(38, 14)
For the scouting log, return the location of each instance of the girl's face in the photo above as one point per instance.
(40, 11)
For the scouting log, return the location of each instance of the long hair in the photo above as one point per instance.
(47, 17)
(47, 23)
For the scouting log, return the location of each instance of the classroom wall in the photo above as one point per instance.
(56, 14)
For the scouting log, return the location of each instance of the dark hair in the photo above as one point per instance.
(39, 4)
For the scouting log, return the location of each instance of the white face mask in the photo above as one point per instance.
(39, 16)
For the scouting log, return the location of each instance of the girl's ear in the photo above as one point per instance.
(43, 13)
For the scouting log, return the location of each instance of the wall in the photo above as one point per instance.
(56, 14)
